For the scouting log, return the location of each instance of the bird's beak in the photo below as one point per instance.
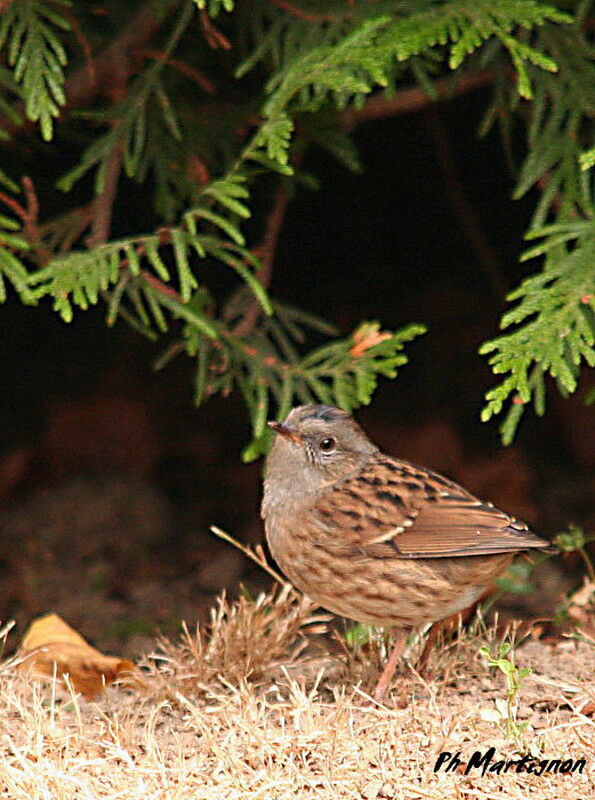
(286, 432)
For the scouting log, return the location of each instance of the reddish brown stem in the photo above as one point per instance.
(212, 34)
(4, 5)
(29, 216)
(408, 101)
(85, 46)
(104, 202)
(186, 70)
(267, 251)
(466, 213)
(161, 287)
(300, 13)
(13, 205)
(80, 88)
(32, 201)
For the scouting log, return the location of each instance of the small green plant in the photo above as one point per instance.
(578, 607)
(517, 578)
(506, 710)
(574, 541)
(359, 635)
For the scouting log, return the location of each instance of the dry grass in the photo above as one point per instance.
(258, 709)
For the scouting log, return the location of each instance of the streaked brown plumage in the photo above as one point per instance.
(374, 538)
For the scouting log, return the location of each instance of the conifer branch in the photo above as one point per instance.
(104, 202)
(89, 81)
(30, 214)
(464, 210)
(266, 252)
(301, 13)
(411, 100)
(326, 64)
(213, 35)
(185, 69)
(141, 28)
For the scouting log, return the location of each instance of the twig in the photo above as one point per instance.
(161, 287)
(143, 25)
(466, 213)
(29, 214)
(79, 88)
(13, 204)
(85, 45)
(30, 220)
(267, 252)
(212, 34)
(189, 72)
(257, 557)
(300, 13)
(408, 101)
(104, 202)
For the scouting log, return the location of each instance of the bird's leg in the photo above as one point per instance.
(433, 633)
(389, 670)
(444, 626)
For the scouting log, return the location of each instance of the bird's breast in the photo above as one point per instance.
(395, 593)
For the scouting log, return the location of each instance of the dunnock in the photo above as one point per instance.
(374, 538)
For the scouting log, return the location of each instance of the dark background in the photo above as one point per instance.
(110, 478)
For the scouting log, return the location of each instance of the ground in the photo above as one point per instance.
(268, 704)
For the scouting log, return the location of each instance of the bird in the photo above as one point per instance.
(375, 538)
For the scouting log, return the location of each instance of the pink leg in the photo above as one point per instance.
(389, 670)
(422, 662)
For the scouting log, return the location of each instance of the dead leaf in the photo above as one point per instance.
(585, 595)
(581, 609)
(50, 646)
(367, 336)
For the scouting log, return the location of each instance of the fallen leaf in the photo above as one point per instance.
(581, 609)
(50, 646)
(585, 595)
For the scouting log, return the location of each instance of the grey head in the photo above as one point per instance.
(315, 446)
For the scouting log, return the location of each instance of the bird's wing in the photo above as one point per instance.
(394, 509)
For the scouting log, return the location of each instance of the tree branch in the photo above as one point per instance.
(301, 13)
(29, 216)
(212, 34)
(141, 28)
(266, 251)
(88, 81)
(103, 205)
(468, 217)
(185, 69)
(408, 101)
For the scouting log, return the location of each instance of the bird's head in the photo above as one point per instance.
(315, 445)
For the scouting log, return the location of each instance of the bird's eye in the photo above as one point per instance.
(327, 445)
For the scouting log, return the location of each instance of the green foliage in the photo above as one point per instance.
(80, 277)
(506, 710)
(516, 579)
(266, 366)
(344, 71)
(574, 540)
(30, 31)
(555, 324)
(12, 267)
(127, 134)
(554, 318)
(202, 115)
(215, 7)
